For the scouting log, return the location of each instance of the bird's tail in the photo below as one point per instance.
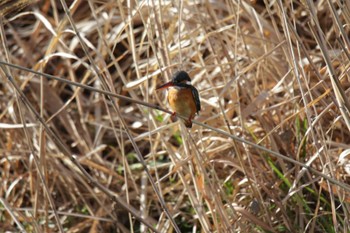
(188, 123)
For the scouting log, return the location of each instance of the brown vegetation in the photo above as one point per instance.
(87, 144)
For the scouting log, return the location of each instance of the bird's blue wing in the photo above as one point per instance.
(196, 98)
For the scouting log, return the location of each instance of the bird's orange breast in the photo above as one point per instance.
(182, 102)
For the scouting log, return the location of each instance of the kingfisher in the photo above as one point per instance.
(183, 98)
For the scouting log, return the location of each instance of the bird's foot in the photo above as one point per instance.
(173, 117)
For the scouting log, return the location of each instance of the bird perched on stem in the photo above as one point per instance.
(183, 98)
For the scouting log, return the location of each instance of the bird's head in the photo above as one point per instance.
(180, 79)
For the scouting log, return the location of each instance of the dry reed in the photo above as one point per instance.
(87, 145)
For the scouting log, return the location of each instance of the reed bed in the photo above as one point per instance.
(87, 143)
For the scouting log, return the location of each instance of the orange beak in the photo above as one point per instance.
(165, 85)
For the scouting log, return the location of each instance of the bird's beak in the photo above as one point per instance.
(165, 85)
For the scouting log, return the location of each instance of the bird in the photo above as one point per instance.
(183, 98)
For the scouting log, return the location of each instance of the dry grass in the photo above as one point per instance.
(93, 149)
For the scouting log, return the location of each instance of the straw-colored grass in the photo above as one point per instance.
(87, 144)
